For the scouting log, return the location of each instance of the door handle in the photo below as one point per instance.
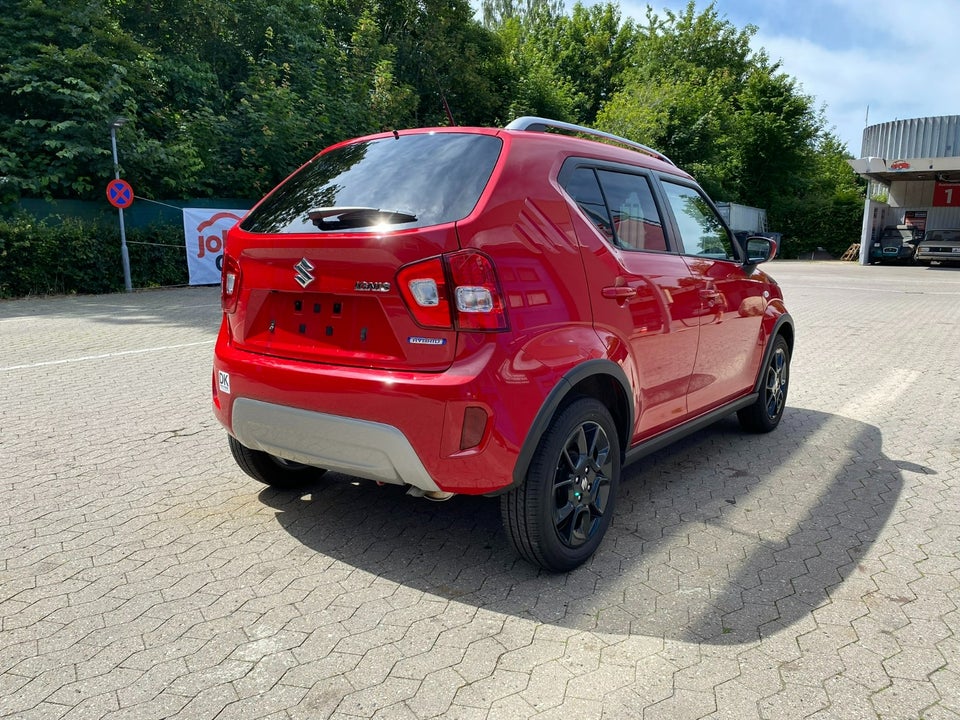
(619, 292)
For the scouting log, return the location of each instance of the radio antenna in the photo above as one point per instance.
(443, 99)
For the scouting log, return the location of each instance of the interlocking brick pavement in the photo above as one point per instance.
(813, 572)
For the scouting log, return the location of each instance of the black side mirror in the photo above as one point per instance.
(760, 249)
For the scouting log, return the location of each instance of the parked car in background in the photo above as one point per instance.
(492, 311)
(940, 246)
(897, 243)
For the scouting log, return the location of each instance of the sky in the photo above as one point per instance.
(862, 61)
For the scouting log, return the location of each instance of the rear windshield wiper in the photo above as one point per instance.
(344, 218)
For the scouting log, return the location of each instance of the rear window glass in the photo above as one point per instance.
(402, 182)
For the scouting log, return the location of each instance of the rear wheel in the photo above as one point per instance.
(271, 470)
(764, 415)
(559, 516)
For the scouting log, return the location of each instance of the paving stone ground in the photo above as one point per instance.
(810, 573)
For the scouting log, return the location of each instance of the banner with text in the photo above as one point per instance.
(205, 231)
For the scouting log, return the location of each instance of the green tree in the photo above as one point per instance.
(67, 72)
(699, 94)
(534, 83)
(563, 66)
(680, 95)
(775, 128)
(444, 56)
(496, 13)
(829, 212)
(257, 86)
(226, 97)
(592, 49)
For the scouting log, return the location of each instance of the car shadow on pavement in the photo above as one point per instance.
(721, 538)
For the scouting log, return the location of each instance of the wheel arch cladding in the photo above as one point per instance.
(782, 327)
(604, 380)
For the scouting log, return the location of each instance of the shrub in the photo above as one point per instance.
(69, 255)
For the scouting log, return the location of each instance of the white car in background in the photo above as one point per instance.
(941, 246)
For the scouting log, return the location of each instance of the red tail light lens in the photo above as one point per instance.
(229, 283)
(458, 290)
(477, 296)
(423, 286)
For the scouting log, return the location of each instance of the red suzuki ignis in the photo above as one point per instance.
(517, 312)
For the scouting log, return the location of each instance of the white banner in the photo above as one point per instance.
(205, 231)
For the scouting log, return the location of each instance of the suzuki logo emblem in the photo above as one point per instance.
(303, 268)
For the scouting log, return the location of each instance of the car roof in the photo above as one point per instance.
(597, 150)
(593, 144)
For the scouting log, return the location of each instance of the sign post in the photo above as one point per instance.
(120, 195)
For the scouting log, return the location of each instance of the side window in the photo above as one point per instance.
(701, 230)
(636, 221)
(585, 191)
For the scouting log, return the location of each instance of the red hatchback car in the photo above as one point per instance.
(516, 312)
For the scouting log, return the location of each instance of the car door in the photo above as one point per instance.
(733, 298)
(643, 295)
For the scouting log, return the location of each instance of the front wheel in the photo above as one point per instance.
(559, 516)
(271, 470)
(764, 414)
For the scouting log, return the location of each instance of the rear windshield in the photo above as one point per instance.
(401, 182)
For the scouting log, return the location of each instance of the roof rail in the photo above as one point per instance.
(539, 124)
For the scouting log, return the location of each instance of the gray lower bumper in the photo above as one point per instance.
(370, 450)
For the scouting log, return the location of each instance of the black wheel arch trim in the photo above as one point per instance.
(553, 402)
(783, 321)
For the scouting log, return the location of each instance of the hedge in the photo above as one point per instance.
(58, 256)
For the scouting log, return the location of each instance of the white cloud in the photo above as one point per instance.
(888, 67)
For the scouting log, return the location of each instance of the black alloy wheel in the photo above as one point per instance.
(764, 415)
(558, 518)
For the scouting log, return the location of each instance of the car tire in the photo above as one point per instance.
(765, 413)
(271, 470)
(559, 516)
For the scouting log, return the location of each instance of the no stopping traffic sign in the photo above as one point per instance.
(119, 193)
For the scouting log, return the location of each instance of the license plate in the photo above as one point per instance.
(956, 249)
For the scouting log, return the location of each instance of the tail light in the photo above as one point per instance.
(457, 290)
(229, 283)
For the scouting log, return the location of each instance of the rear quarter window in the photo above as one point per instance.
(620, 204)
(404, 181)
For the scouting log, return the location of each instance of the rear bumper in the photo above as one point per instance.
(387, 426)
(372, 450)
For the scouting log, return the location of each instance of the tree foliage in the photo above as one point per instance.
(64, 71)
(696, 91)
(226, 97)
